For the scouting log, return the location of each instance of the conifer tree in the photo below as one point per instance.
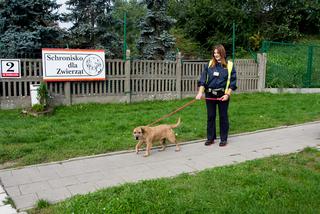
(155, 41)
(134, 11)
(26, 26)
(93, 26)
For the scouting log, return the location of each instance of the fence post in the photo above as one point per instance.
(179, 73)
(67, 93)
(262, 67)
(127, 69)
(308, 75)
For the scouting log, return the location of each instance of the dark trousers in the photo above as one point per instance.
(223, 118)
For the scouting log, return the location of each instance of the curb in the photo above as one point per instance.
(155, 147)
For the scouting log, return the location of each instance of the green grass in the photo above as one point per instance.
(98, 128)
(278, 184)
(42, 203)
(9, 201)
(287, 64)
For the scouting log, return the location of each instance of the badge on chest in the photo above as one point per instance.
(215, 73)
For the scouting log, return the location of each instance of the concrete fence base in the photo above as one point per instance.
(292, 90)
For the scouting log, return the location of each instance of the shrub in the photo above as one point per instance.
(38, 107)
(43, 94)
(255, 41)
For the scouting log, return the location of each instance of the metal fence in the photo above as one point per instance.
(292, 65)
(126, 81)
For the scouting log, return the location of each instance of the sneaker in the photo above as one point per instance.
(223, 143)
(209, 142)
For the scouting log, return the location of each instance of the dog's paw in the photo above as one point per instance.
(145, 155)
(177, 150)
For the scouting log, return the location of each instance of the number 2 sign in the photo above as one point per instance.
(10, 68)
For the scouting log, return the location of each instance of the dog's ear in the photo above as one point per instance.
(143, 130)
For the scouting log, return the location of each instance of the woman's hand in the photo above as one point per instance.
(199, 96)
(225, 97)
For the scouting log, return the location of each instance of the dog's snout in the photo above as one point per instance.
(137, 134)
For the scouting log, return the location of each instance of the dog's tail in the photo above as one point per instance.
(176, 125)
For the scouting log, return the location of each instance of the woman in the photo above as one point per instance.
(217, 84)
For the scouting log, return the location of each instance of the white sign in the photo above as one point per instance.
(10, 68)
(73, 64)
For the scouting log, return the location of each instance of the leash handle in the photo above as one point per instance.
(219, 99)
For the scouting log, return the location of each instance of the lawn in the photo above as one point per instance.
(278, 184)
(90, 129)
(287, 64)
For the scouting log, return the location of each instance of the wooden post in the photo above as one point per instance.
(67, 93)
(127, 69)
(179, 73)
(262, 67)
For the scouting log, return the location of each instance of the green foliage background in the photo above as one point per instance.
(28, 26)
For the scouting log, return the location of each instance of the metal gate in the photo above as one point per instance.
(312, 77)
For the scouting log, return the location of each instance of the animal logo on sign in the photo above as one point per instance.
(93, 65)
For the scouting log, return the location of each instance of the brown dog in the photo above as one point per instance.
(148, 135)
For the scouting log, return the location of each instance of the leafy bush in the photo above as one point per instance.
(43, 94)
(187, 46)
(255, 41)
(38, 107)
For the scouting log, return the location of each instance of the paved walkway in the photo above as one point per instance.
(58, 181)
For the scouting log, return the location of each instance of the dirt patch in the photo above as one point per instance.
(29, 111)
(8, 164)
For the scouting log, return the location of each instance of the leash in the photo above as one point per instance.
(179, 109)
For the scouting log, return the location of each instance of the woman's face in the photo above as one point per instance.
(217, 55)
